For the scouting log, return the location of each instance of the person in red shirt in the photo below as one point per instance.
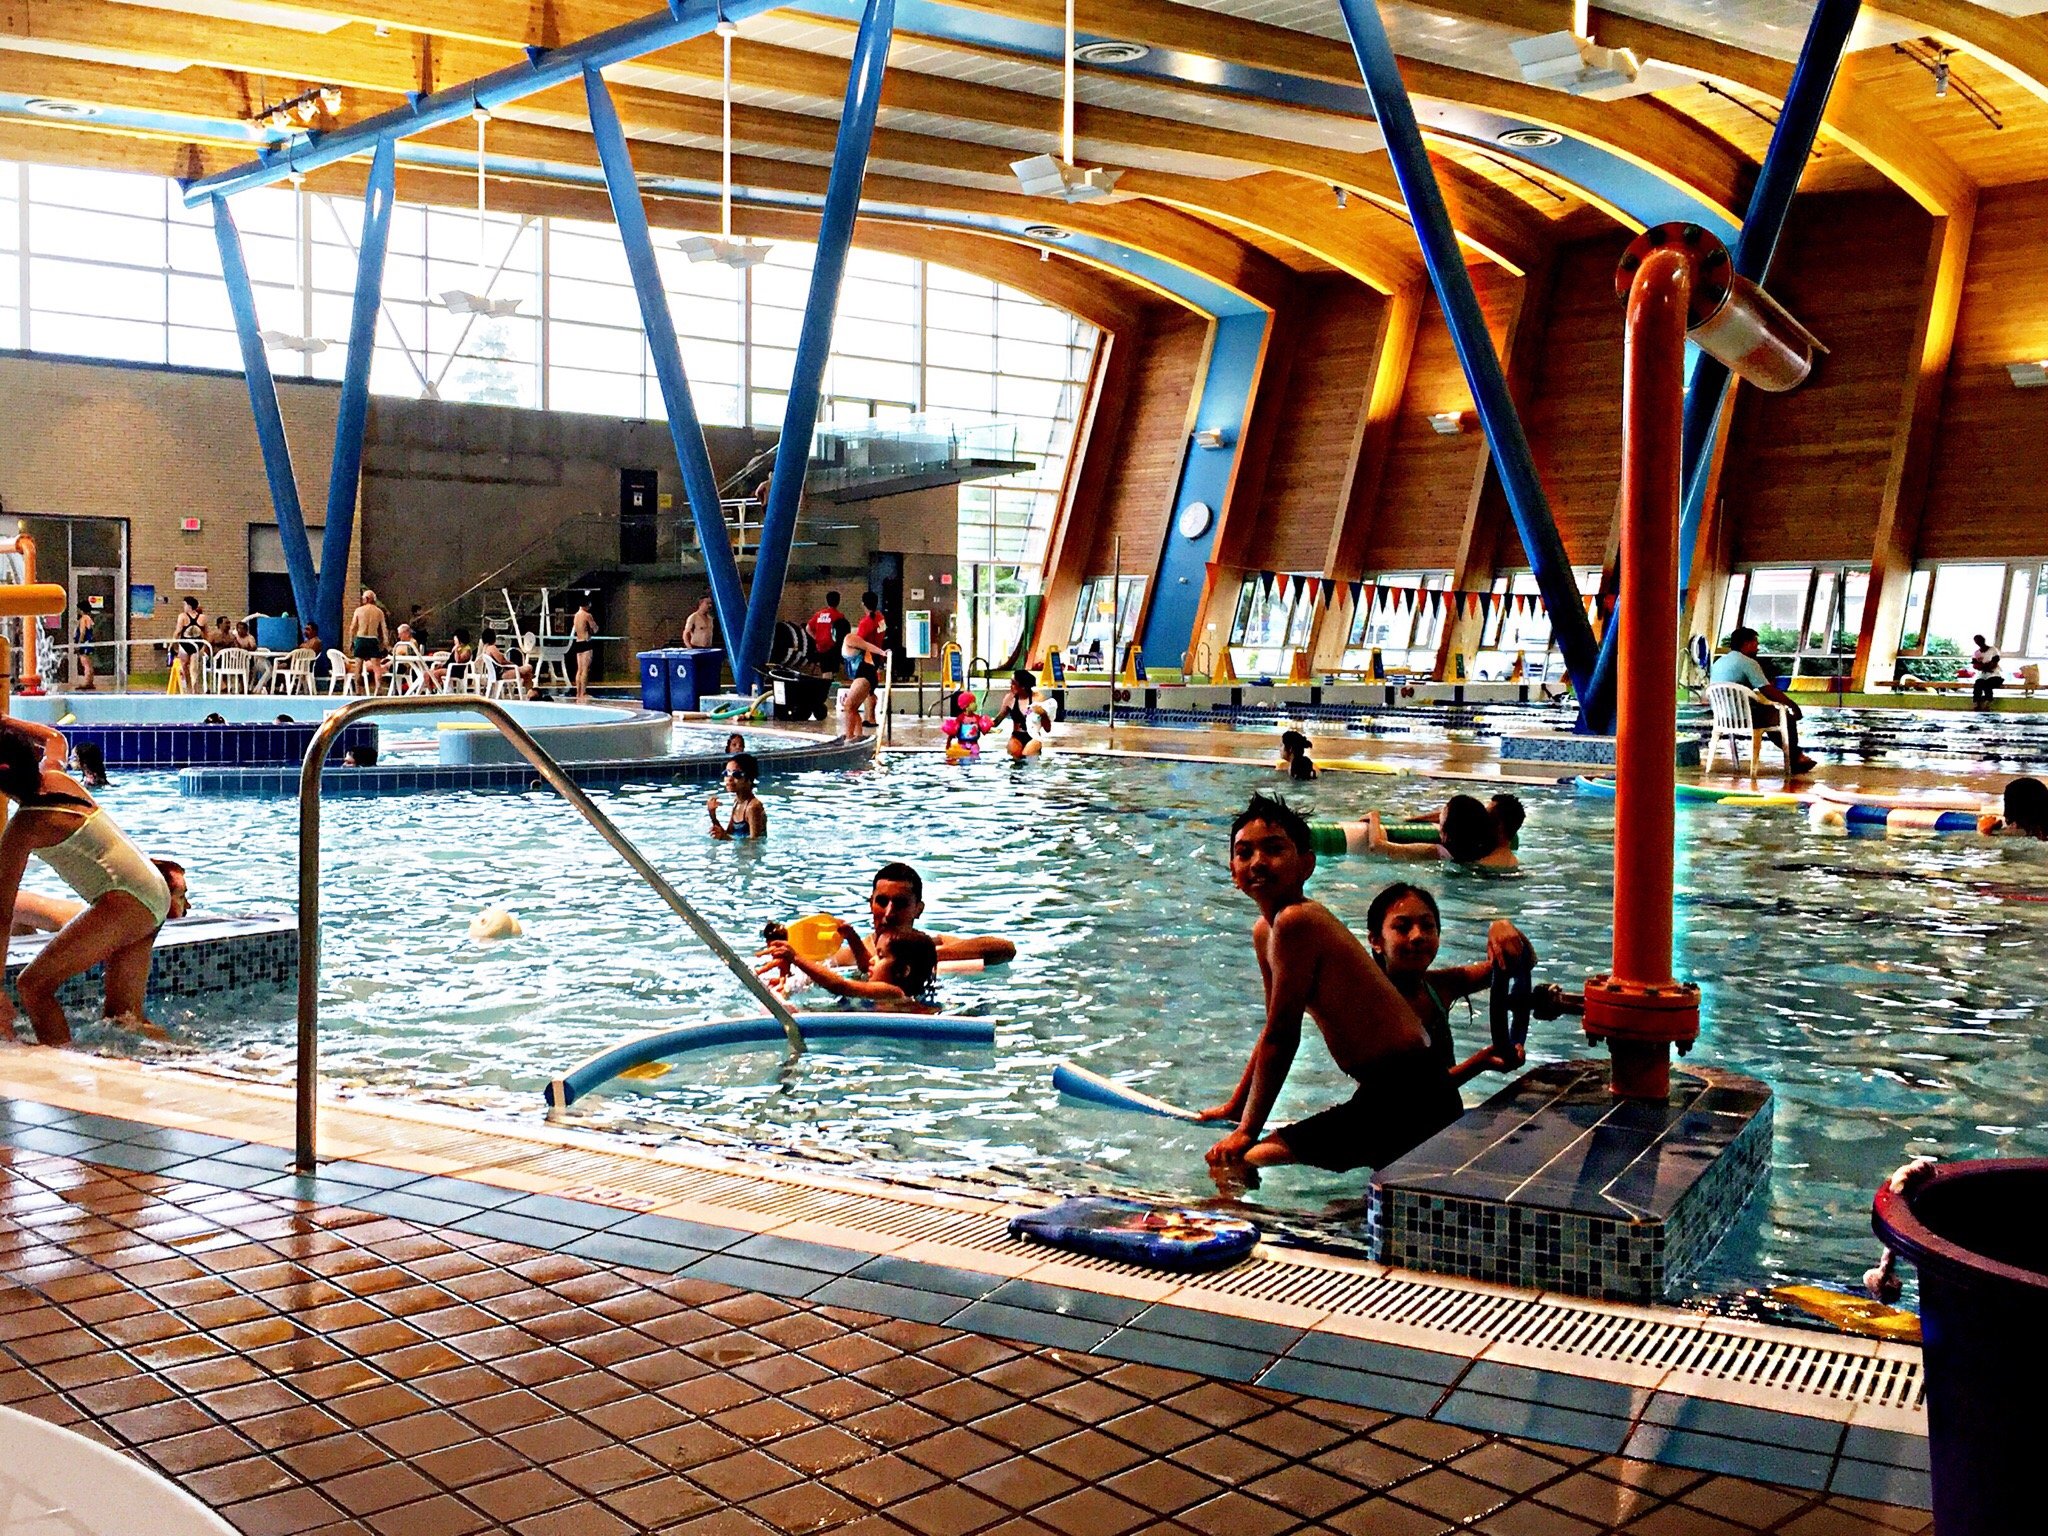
(863, 651)
(827, 628)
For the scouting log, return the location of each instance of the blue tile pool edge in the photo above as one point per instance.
(1473, 1393)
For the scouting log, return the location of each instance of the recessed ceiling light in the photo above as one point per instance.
(1045, 232)
(51, 106)
(1531, 138)
(1107, 52)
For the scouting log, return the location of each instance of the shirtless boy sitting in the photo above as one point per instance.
(1314, 965)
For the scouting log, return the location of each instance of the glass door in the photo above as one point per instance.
(102, 592)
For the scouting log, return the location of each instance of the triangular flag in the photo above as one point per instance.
(1436, 604)
(1485, 606)
(1266, 582)
(1315, 589)
(1280, 585)
(1357, 591)
(1592, 605)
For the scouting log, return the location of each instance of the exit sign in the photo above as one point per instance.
(190, 525)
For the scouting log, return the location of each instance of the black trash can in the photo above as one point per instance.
(1977, 1232)
(798, 695)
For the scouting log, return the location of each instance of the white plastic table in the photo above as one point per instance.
(55, 1483)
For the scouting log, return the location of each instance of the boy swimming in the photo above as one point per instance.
(1314, 965)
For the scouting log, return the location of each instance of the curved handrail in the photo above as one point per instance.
(305, 1159)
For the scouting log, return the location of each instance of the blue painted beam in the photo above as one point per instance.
(700, 483)
(814, 341)
(352, 418)
(270, 436)
(1770, 204)
(1453, 284)
(543, 69)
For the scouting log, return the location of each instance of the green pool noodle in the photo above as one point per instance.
(1328, 837)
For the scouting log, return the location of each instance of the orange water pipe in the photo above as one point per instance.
(1639, 1008)
(29, 599)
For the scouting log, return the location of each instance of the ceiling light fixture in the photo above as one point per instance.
(1343, 197)
(1044, 176)
(1447, 423)
(457, 301)
(2028, 375)
(1108, 52)
(722, 248)
(1530, 138)
(1045, 232)
(285, 341)
(53, 106)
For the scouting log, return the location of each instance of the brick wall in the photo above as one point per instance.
(156, 446)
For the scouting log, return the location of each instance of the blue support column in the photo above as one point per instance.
(277, 453)
(1806, 102)
(814, 342)
(700, 483)
(353, 416)
(1447, 275)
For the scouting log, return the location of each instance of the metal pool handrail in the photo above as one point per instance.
(305, 1159)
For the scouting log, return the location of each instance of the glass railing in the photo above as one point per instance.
(843, 457)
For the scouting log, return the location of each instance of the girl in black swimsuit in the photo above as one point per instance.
(1015, 711)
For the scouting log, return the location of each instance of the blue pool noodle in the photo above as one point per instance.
(760, 1029)
(1092, 1088)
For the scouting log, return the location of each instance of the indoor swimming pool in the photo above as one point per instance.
(1885, 989)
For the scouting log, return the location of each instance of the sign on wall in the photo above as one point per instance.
(142, 602)
(189, 578)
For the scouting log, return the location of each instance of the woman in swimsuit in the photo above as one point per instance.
(862, 653)
(188, 644)
(1015, 711)
(127, 895)
(749, 816)
(81, 647)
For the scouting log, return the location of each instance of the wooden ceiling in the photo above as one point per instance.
(1232, 169)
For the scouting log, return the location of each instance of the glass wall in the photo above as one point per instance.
(113, 265)
(1097, 621)
(1948, 604)
(1518, 628)
(1806, 617)
(1275, 617)
(1400, 621)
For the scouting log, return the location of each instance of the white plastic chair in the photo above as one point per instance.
(296, 675)
(339, 679)
(1734, 711)
(490, 680)
(230, 672)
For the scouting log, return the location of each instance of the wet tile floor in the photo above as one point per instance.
(311, 1368)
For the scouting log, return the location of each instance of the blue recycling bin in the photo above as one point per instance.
(693, 675)
(277, 634)
(654, 680)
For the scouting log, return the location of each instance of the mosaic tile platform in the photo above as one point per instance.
(308, 1361)
(389, 778)
(194, 956)
(234, 745)
(1582, 751)
(1555, 1184)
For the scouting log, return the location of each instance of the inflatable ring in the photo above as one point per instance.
(1910, 814)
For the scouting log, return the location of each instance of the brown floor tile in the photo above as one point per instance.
(711, 1393)
(1678, 1520)
(764, 1420)
(1452, 1495)
(1823, 1520)
(948, 1510)
(805, 1507)
(1385, 1517)
(837, 1400)
(824, 1449)
(904, 1376)
(1150, 1381)
(282, 1514)
(1647, 1476)
(317, 1460)
(1506, 1465)
(1232, 1514)
(1747, 1503)
(1528, 1518)
(1156, 1429)
(1370, 1464)
(441, 1515)
(1021, 1482)
(659, 1502)
(894, 1424)
(782, 1373)
(377, 1487)
(737, 1522)
(745, 1476)
(1091, 1512)
(600, 1471)
(883, 1479)
(1892, 1515)
(1427, 1439)
(233, 1481)
(954, 1453)
(849, 1352)
(521, 1494)
(1024, 1426)
(1303, 1492)
(1162, 1487)
(1227, 1459)
(1219, 1406)
(687, 1445)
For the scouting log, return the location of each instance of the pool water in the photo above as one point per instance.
(1888, 990)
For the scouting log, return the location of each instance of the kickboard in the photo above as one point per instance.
(1131, 1232)
(1093, 1088)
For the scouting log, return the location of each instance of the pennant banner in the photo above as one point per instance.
(1357, 589)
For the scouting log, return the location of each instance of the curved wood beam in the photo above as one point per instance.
(1106, 299)
(1856, 118)
(1272, 204)
(2014, 45)
(1643, 132)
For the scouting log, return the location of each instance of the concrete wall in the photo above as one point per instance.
(156, 446)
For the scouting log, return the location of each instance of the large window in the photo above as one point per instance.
(1275, 616)
(1401, 615)
(116, 266)
(1806, 617)
(1948, 605)
(1102, 630)
(1516, 625)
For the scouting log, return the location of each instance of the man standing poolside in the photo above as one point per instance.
(896, 901)
(1738, 664)
(1314, 965)
(369, 637)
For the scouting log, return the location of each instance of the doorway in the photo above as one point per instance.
(88, 558)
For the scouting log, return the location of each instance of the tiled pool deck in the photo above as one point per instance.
(451, 1330)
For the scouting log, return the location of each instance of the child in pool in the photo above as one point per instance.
(899, 972)
(2026, 811)
(964, 728)
(1294, 759)
(1482, 836)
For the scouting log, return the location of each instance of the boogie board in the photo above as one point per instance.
(1131, 1232)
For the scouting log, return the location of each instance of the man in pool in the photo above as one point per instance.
(1314, 965)
(896, 901)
